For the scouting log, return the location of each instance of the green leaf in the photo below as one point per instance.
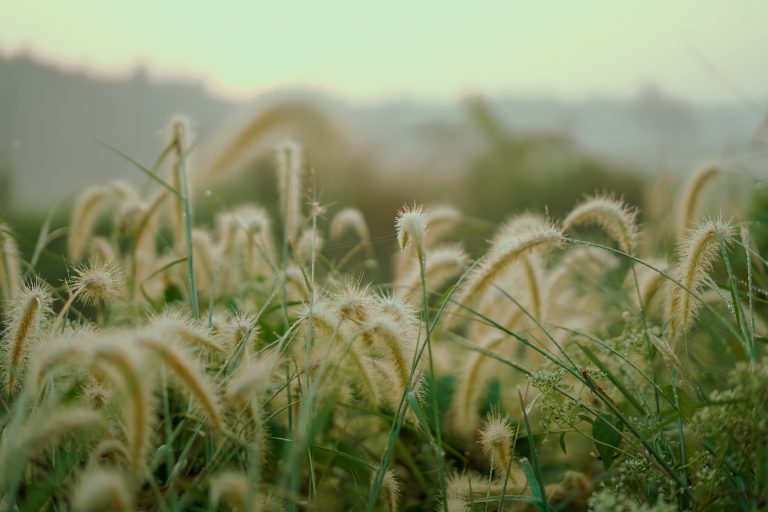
(420, 416)
(508, 498)
(39, 493)
(533, 483)
(614, 379)
(344, 455)
(685, 404)
(43, 238)
(532, 471)
(606, 431)
(151, 174)
(439, 390)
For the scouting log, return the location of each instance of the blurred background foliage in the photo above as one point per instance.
(507, 171)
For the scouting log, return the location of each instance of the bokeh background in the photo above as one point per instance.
(492, 106)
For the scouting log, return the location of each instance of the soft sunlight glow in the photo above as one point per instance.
(428, 49)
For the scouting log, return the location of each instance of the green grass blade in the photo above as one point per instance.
(153, 176)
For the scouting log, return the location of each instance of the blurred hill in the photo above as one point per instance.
(50, 120)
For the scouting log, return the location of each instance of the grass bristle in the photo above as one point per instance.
(223, 361)
(504, 252)
(698, 253)
(691, 197)
(616, 218)
(102, 489)
(27, 312)
(188, 373)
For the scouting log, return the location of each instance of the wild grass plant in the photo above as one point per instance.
(237, 367)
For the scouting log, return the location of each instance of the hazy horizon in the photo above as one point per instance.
(51, 120)
(700, 52)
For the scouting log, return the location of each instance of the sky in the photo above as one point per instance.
(430, 49)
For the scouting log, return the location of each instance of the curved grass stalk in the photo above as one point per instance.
(140, 411)
(469, 389)
(698, 254)
(715, 314)
(502, 255)
(189, 374)
(691, 195)
(613, 216)
(185, 195)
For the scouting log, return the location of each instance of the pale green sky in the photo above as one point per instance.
(433, 49)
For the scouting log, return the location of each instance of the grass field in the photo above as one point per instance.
(260, 363)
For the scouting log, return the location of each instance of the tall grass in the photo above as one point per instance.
(194, 367)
